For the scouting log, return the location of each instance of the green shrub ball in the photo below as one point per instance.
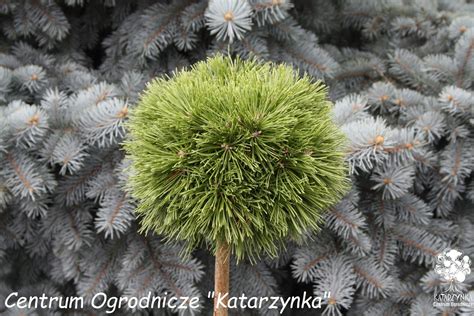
(234, 151)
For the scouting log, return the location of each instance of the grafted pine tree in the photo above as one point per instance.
(234, 155)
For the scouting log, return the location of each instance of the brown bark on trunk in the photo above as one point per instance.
(221, 278)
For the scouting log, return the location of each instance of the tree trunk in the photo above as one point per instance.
(221, 278)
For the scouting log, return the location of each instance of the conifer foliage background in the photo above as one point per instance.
(401, 74)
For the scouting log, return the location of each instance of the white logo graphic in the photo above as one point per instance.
(452, 267)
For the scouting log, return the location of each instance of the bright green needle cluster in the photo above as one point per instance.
(235, 151)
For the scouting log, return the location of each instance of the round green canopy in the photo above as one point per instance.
(236, 151)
